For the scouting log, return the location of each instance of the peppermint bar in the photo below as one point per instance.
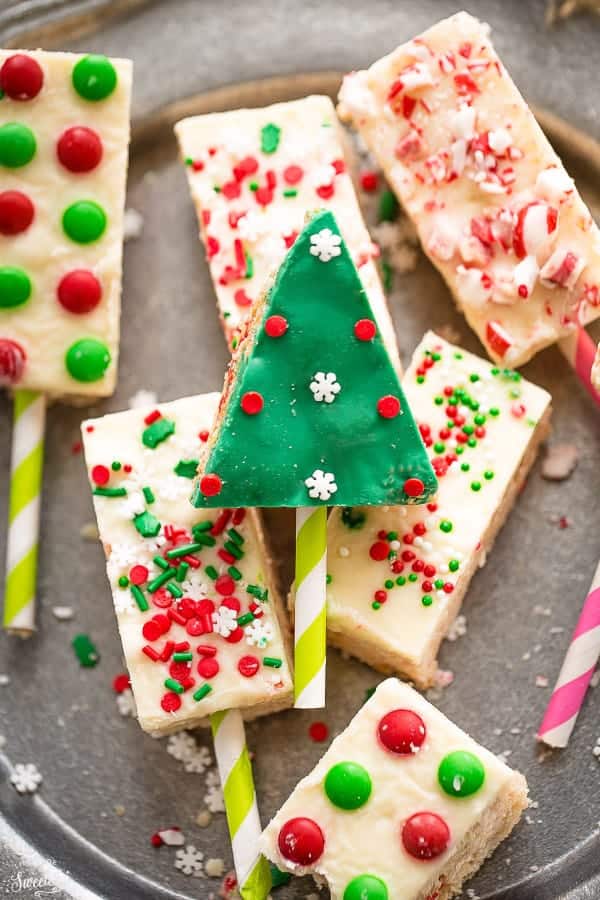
(495, 210)
(398, 574)
(194, 593)
(253, 175)
(64, 133)
(402, 806)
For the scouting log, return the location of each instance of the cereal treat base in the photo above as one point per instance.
(195, 593)
(402, 806)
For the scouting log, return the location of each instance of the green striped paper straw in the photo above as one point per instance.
(310, 610)
(27, 460)
(252, 869)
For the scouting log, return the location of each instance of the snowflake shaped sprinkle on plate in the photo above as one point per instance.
(321, 485)
(26, 778)
(198, 761)
(325, 386)
(181, 745)
(325, 244)
(214, 793)
(190, 861)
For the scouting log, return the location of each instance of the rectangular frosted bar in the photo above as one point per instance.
(403, 805)
(253, 175)
(496, 211)
(398, 574)
(64, 135)
(194, 592)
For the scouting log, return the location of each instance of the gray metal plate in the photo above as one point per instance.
(64, 718)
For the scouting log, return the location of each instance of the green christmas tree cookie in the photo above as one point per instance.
(313, 413)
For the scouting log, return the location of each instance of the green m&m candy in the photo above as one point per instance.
(87, 360)
(461, 773)
(17, 145)
(366, 887)
(15, 287)
(94, 77)
(348, 785)
(84, 221)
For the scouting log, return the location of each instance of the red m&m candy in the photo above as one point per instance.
(301, 841)
(16, 212)
(425, 835)
(79, 291)
(21, 77)
(12, 361)
(401, 731)
(79, 149)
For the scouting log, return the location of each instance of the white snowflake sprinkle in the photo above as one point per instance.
(122, 556)
(259, 634)
(321, 485)
(198, 761)
(181, 745)
(26, 778)
(224, 621)
(190, 861)
(126, 704)
(325, 386)
(214, 793)
(325, 244)
(123, 602)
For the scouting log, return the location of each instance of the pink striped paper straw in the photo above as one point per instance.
(575, 674)
(580, 351)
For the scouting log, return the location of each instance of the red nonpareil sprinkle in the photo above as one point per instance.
(203, 435)
(249, 165)
(210, 485)
(365, 329)
(276, 326)
(388, 407)
(326, 191)
(121, 683)
(413, 487)
(170, 702)
(231, 190)
(152, 417)
(318, 732)
(241, 298)
(248, 666)
(339, 165)
(292, 174)
(197, 165)
(380, 596)
(89, 428)
(369, 180)
(218, 527)
(100, 475)
(156, 840)
(379, 550)
(252, 403)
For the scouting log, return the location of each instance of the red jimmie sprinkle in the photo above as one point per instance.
(318, 732)
(152, 417)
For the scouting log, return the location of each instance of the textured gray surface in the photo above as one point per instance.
(64, 718)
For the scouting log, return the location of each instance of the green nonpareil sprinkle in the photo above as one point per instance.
(269, 138)
(253, 185)
(438, 401)
(217, 189)
(413, 577)
(235, 573)
(212, 572)
(235, 536)
(488, 475)
(115, 466)
(389, 584)
(376, 604)
(161, 562)
(138, 596)
(388, 207)
(426, 600)
(438, 584)
(454, 565)
(110, 492)
(183, 550)
(174, 590)
(161, 579)
(226, 315)
(475, 486)
(400, 580)
(158, 432)
(420, 379)
(146, 524)
(183, 657)
(234, 549)
(328, 579)
(182, 571)
(290, 192)
(186, 468)
(246, 618)
(446, 526)
(148, 495)
(202, 692)
(172, 685)
(123, 581)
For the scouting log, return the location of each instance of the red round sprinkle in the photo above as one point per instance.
(241, 298)
(12, 361)
(413, 487)
(170, 702)
(156, 840)
(236, 635)
(162, 598)
(151, 630)
(208, 667)
(248, 666)
(100, 475)
(232, 603)
(292, 174)
(381, 596)
(425, 835)
(21, 77)
(203, 435)
(79, 149)
(138, 575)
(180, 671)
(276, 326)
(379, 550)
(252, 403)
(225, 585)
(205, 607)
(16, 212)
(365, 329)
(301, 841)
(231, 190)
(368, 180)
(121, 683)
(79, 291)
(161, 621)
(187, 607)
(318, 732)
(210, 485)
(195, 626)
(388, 407)
(326, 191)
(401, 731)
